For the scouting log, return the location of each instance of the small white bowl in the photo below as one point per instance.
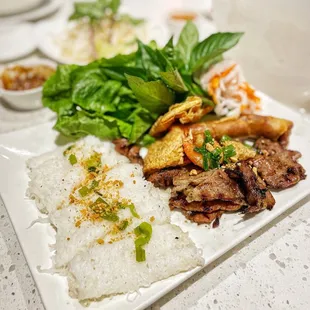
(29, 99)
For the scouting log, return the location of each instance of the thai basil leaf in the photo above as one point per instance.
(187, 41)
(153, 61)
(118, 73)
(153, 96)
(174, 80)
(212, 47)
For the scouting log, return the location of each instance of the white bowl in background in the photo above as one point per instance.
(17, 6)
(29, 99)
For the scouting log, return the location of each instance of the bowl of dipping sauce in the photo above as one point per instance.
(21, 83)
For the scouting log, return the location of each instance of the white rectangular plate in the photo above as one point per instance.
(17, 147)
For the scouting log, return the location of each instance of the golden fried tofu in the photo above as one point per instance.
(167, 152)
(191, 110)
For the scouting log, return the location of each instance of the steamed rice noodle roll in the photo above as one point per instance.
(231, 93)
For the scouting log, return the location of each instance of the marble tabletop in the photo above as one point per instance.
(270, 269)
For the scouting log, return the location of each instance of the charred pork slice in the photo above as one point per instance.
(202, 206)
(280, 170)
(131, 151)
(208, 186)
(267, 147)
(204, 218)
(164, 178)
(257, 195)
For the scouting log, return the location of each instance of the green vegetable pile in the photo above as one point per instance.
(124, 95)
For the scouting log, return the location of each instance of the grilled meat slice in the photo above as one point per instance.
(203, 218)
(267, 147)
(202, 206)
(131, 151)
(207, 186)
(257, 195)
(280, 170)
(164, 178)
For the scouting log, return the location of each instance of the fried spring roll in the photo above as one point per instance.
(251, 125)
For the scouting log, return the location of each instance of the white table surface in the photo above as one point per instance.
(271, 269)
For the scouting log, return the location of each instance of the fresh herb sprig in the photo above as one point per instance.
(124, 95)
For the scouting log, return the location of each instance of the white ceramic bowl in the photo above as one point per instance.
(26, 99)
(17, 6)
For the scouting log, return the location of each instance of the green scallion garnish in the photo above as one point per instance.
(140, 254)
(83, 191)
(132, 209)
(110, 217)
(72, 159)
(94, 184)
(144, 234)
(123, 225)
(228, 151)
(225, 138)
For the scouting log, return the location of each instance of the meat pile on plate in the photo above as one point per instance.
(242, 185)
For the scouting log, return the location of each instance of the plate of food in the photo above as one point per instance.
(95, 30)
(160, 161)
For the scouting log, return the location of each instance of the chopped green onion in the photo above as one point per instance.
(225, 138)
(100, 200)
(72, 159)
(140, 254)
(228, 151)
(144, 233)
(202, 150)
(215, 157)
(132, 209)
(208, 137)
(123, 225)
(84, 191)
(94, 184)
(94, 161)
(110, 217)
(91, 169)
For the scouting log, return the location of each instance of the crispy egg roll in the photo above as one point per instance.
(251, 125)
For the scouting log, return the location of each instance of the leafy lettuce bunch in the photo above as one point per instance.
(124, 95)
